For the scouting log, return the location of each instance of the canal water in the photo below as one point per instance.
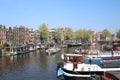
(31, 66)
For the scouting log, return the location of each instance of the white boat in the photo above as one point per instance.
(52, 50)
(74, 66)
(32, 48)
(13, 51)
(37, 47)
(77, 51)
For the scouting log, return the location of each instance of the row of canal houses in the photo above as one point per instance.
(18, 35)
(19, 38)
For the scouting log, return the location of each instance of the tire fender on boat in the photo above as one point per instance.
(82, 69)
(89, 69)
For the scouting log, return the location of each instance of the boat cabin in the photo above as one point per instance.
(74, 59)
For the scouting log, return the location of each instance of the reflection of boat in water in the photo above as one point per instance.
(78, 66)
(52, 50)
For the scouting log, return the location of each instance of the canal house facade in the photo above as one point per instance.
(18, 36)
(3, 36)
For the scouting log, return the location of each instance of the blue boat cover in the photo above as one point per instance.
(93, 60)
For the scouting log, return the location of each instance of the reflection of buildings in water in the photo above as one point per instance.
(8, 63)
(18, 61)
(4, 63)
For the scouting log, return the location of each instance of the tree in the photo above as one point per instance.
(84, 35)
(79, 34)
(43, 30)
(5, 44)
(58, 34)
(106, 33)
(118, 34)
(69, 34)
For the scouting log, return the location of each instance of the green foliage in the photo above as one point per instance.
(5, 45)
(79, 34)
(83, 33)
(106, 33)
(69, 34)
(43, 30)
(118, 34)
(58, 33)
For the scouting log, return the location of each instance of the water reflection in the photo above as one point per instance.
(32, 66)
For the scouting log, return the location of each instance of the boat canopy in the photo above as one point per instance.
(73, 58)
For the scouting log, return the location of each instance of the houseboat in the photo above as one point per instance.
(15, 50)
(74, 66)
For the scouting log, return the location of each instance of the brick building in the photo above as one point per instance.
(3, 36)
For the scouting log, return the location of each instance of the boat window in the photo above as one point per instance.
(76, 59)
(68, 59)
(71, 59)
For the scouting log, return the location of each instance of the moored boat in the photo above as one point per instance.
(13, 51)
(73, 44)
(106, 55)
(116, 45)
(75, 66)
(52, 50)
(32, 48)
(77, 51)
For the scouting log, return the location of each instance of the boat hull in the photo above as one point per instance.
(78, 67)
(77, 78)
(79, 75)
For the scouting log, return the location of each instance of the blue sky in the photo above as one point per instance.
(79, 14)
